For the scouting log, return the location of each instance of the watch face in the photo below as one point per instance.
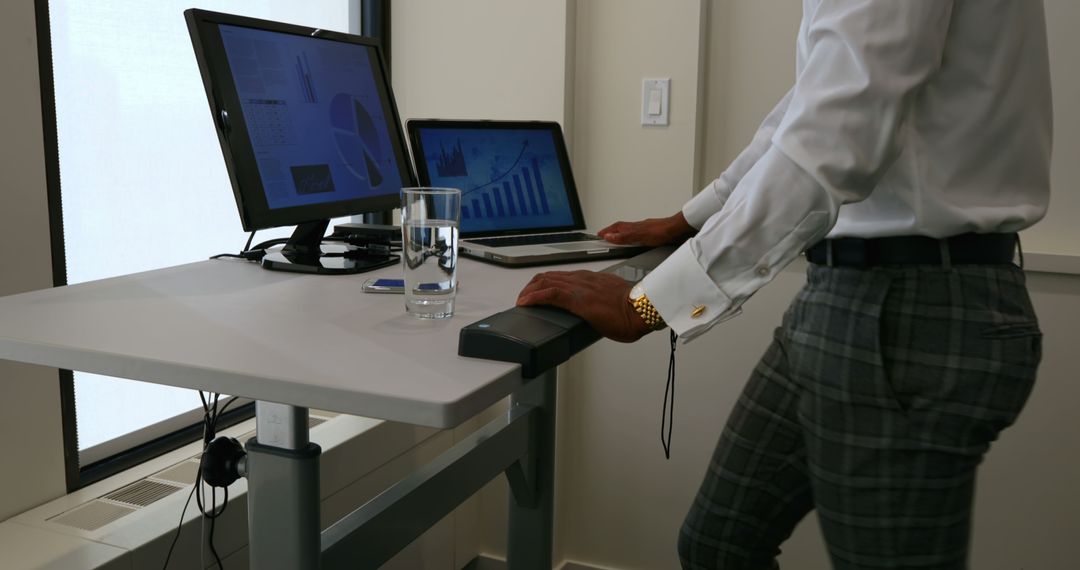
(637, 291)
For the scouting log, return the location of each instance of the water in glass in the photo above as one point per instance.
(430, 251)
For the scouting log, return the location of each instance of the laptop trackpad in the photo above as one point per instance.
(598, 247)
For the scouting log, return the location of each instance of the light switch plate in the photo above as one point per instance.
(655, 98)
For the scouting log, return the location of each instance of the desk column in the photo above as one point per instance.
(529, 540)
(283, 490)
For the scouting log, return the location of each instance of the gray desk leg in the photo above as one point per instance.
(283, 490)
(531, 515)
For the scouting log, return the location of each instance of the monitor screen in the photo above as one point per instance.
(306, 119)
(314, 117)
(512, 177)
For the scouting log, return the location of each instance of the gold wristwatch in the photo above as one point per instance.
(645, 308)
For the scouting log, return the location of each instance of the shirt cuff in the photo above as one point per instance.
(702, 206)
(685, 296)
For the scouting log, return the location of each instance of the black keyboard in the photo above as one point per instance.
(536, 239)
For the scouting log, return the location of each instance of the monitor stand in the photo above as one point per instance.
(306, 253)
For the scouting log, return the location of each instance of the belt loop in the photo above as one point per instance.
(828, 253)
(946, 256)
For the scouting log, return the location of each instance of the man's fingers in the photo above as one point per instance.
(613, 228)
(547, 296)
(562, 278)
(546, 280)
(625, 234)
(575, 282)
(620, 232)
(619, 238)
(565, 289)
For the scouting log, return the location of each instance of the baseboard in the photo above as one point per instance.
(571, 565)
(485, 562)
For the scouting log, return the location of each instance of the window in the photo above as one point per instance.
(142, 181)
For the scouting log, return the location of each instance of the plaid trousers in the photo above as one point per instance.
(874, 404)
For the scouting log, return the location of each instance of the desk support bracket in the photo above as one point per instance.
(375, 532)
(522, 487)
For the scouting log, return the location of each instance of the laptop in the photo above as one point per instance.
(519, 204)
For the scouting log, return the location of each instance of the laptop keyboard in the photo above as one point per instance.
(536, 239)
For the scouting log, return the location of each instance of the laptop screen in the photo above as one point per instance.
(511, 179)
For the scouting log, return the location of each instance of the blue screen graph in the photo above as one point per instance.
(313, 115)
(509, 179)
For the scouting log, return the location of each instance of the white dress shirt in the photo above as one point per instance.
(908, 117)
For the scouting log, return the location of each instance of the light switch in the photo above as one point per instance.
(655, 95)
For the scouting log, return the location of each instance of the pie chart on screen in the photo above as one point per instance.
(356, 137)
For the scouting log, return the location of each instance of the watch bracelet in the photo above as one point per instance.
(648, 313)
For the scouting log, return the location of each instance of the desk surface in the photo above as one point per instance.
(305, 340)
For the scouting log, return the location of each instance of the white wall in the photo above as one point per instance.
(30, 428)
(622, 169)
(485, 59)
(1059, 232)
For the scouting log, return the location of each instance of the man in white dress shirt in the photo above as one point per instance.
(913, 146)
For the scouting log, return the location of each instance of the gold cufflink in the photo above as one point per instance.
(698, 311)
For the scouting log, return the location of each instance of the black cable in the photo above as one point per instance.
(179, 526)
(1020, 250)
(257, 252)
(210, 418)
(213, 520)
(261, 246)
(248, 256)
(252, 253)
(222, 412)
(201, 501)
(212, 413)
(669, 403)
(206, 410)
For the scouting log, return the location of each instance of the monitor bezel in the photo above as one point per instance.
(232, 132)
(414, 126)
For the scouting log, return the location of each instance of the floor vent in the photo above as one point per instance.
(183, 473)
(143, 493)
(99, 512)
(92, 515)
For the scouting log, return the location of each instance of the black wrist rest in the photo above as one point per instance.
(537, 338)
(541, 338)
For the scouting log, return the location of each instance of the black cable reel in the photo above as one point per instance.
(223, 462)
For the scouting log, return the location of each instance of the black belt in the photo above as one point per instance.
(964, 249)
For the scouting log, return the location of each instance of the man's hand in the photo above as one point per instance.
(599, 298)
(651, 232)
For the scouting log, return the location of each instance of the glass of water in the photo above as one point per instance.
(429, 244)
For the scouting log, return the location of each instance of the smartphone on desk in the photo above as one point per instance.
(384, 286)
(393, 286)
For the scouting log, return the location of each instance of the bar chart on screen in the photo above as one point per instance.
(518, 193)
(509, 178)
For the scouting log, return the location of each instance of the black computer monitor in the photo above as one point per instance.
(308, 128)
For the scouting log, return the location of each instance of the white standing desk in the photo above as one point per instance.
(293, 342)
